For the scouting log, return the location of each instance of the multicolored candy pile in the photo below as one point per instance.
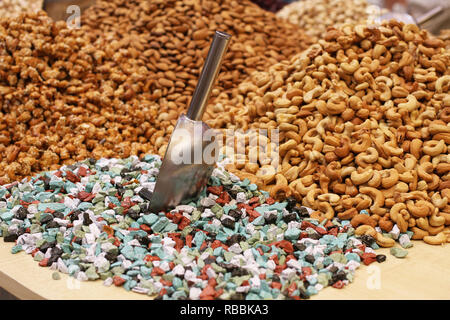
(91, 221)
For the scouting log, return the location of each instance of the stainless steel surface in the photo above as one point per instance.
(403, 17)
(181, 181)
(208, 75)
(430, 15)
(407, 18)
(190, 156)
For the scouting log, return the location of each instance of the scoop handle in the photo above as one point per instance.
(429, 15)
(208, 75)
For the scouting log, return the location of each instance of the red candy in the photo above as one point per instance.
(338, 284)
(368, 258)
(43, 262)
(82, 171)
(157, 271)
(118, 281)
(72, 177)
(216, 190)
(85, 196)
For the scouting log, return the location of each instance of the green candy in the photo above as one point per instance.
(292, 234)
(91, 274)
(17, 248)
(398, 252)
(52, 206)
(56, 276)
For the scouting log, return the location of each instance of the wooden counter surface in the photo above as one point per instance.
(423, 274)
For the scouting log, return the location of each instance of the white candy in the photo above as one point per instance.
(288, 273)
(235, 248)
(101, 264)
(352, 265)
(108, 282)
(250, 228)
(140, 290)
(211, 273)
(62, 222)
(165, 266)
(168, 242)
(370, 250)
(318, 286)
(126, 264)
(90, 238)
(72, 204)
(81, 276)
(169, 250)
(178, 270)
(184, 208)
(294, 225)
(62, 266)
(271, 264)
(77, 225)
(404, 240)
(294, 264)
(134, 242)
(207, 213)
(255, 282)
(207, 202)
(241, 197)
(395, 232)
(194, 293)
(242, 289)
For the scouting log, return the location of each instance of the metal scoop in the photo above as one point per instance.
(406, 18)
(190, 157)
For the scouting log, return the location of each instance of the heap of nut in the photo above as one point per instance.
(315, 16)
(13, 8)
(116, 86)
(175, 37)
(445, 35)
(364, 120)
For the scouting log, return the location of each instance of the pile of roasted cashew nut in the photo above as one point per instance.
(364, 125)
(445, 35)
(315, 16)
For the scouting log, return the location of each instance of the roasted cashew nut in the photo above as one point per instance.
(419, 234)
(378, 199)
(365, 230)
(389, 178)
(361, 178)
(440, 238)
(411, 105)
(368, 157)
(434, 148)
(383, 241)
(361, 145)
(420, 209)
(331, 198)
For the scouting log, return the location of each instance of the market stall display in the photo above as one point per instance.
(364, 124)
(362, 116)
